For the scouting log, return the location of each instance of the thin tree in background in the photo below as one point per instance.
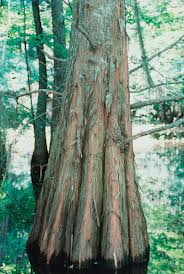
(144, 57)
(26, 56)
(5, 220)
(89, 208)
(40, 155)
(3, 155)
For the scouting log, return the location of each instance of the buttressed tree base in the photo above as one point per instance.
(89, 208)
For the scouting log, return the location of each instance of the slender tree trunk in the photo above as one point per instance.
(59, 53)
(26, 56)
(5, 226)
(89, 207)
(3, 151)
(4, 221)
(144, 57)
(3, 156)
(40, 155)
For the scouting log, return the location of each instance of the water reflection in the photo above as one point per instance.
(132, 269)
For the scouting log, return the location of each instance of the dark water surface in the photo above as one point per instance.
(133, 269)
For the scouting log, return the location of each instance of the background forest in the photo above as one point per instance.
(156, 67)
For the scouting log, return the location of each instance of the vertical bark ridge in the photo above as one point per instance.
(56, 221)
(55, 160)
(115, 248)
(59, 38)
(138, 237)
(86, 235)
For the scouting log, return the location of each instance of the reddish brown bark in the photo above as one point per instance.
(89, 208)
(59, 54)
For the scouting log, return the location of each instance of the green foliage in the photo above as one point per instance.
(45, 39)
(158, 20)
(161, 16)
(15, 193)
(14, 36)
(8, 269)
(130, 16)
(167, 254)
(16, 114)
(68, 19)
(15, 260)
(163, 201)
(166, 113)
(3, 11)
(17, 208)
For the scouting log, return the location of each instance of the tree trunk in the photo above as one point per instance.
(3, 152)
(89, 207)
(59, 53)
(40, 155)
(5, 226)
(3, 155)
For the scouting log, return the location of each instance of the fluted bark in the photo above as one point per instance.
(89, 208)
